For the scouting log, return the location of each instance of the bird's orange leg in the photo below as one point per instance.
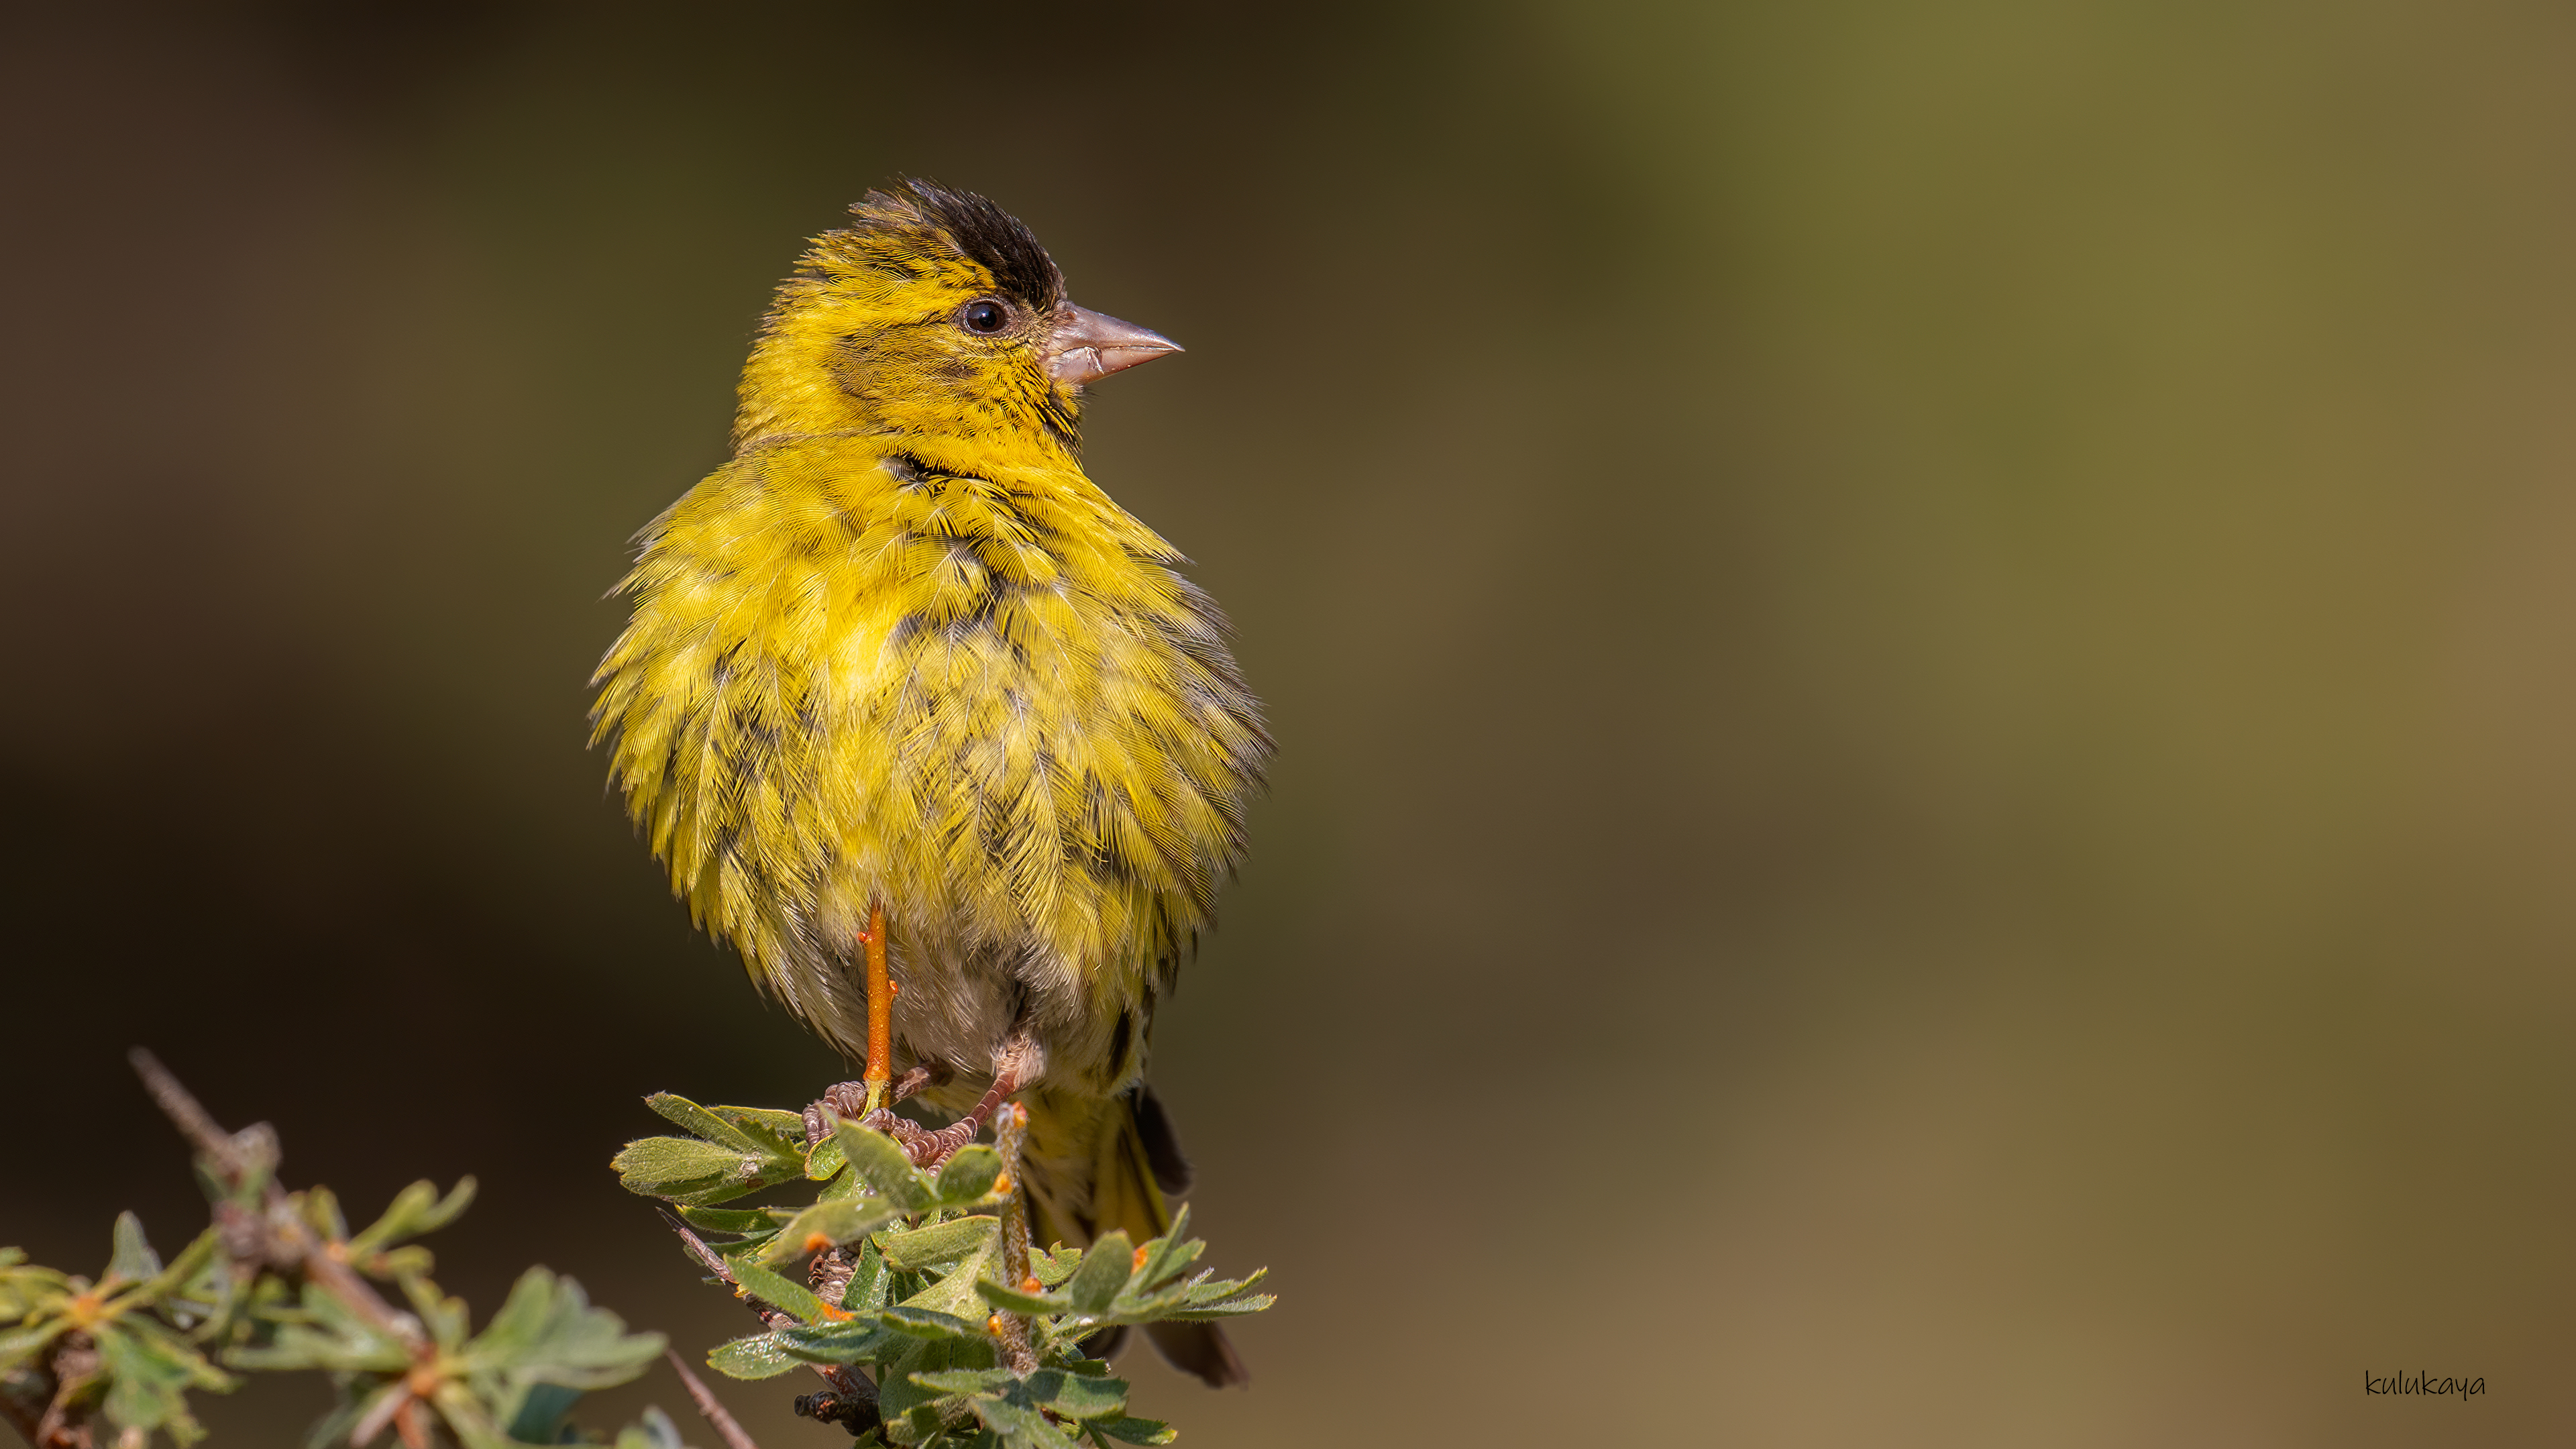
(880, 1011)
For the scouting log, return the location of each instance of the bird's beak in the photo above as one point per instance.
(1087, 346)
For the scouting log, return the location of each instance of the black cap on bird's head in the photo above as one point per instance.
(1080, 345)
(979, 230)
(934, 311)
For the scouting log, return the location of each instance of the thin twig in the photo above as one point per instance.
(184, 1112)
(1010, 1138)
(847, 1382)
(709, 1260)
(286, 1240)
(713, 1412)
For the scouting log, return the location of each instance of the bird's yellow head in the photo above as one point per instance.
(935, 316)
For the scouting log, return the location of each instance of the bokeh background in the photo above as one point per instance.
(1926, 660)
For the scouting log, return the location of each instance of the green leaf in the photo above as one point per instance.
(760, 1356)
(1019, 1426)
(195, 1286)
(1136, 1431)
(415, 1210)
(1103, 1271)
(1076, 1396)
(881, 1163)
(930, 1322)
(955, 1295)
(824, 1160)
(148, 1381)
(828, 1224)
(744, 1222)
(447, 1319)
(1167, 1255)
(939, 1243)
(1053, 1267)
(779, 1292)
(1012, 1300)
(691, 1118)
(19, 1346)
(871, 1281)
(323, 1334)
(1200, 1294)
(965, 1381)
(320, 1207)
(968, 1176)
(911, 1412)
(685, 1170)
(781, 1132)
(1231, 1308)
(547, 1332)
(133, 1260)
(862, 1340)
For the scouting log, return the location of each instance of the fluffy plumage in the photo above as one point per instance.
(901, 649)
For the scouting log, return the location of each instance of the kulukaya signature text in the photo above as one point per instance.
(2402, 1383)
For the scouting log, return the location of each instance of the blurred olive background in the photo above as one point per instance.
(1925, 658)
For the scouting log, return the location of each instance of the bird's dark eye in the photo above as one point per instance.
(984, 315)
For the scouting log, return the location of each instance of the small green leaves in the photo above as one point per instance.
(1077, 1396)
(548, 1332)
(760, 1356)
(944, 1242)
(685, 1170)
(871, 1281)
(923, 1257)
(1134, 1431)
(827, 1225)
(1019, 1409)
(968, 1177)
(954, 1294)
(781, 1132)
(824, 1160)
(324, 1333)
(865, 1339)
(149, 1370)
(929, 1322)
(1112, 1283)
(1104, 1269)
(297, 1297)
(133, 1260)
(415, 1210)
(881, 1163)
(737, 1151)
(697, 1121)
(755, 1281)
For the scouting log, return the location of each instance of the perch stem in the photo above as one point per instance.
(880, 1010)
(709, 1408)
(1010, 1137)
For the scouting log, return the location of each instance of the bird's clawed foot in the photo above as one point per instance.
(849, 1101)
(926, 1147)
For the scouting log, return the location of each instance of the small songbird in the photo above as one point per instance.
(900, 660)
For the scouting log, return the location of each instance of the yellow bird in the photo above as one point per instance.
(901, 676)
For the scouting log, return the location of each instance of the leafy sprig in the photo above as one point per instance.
(922, 1278)
(278, 1282)
(912, 1292)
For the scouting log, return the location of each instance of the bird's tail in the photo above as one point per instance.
(1135, 1161)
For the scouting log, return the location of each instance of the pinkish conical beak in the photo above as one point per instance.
(1087, 346)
